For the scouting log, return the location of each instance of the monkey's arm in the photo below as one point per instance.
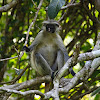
(66, 57)
(34, 43)
(62, 48)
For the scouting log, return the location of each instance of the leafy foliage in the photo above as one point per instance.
(96, 91)
(78, 26)
(54, 7)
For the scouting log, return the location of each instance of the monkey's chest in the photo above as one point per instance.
(49, 52)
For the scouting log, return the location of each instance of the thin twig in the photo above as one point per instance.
(8, 58)
(17, 78)
(93, 18)
(22, 93)
(18, 62)
(39, 6)
(70, 5)
(34, 4)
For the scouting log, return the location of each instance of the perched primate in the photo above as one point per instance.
(48, 53)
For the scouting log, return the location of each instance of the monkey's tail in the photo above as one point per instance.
(47, 87)
(71, 71)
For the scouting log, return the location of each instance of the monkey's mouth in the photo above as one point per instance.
(51, 30)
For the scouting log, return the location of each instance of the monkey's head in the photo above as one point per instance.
(51, 26)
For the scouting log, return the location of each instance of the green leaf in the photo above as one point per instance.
(54, 7)
(97, 97)
(97, 72)
(96, 91)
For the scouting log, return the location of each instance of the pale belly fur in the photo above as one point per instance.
(47, 51)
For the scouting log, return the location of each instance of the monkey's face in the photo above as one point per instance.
(51, 27)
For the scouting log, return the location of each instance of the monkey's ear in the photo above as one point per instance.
(25, 48)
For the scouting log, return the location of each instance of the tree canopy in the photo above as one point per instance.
(20, 22)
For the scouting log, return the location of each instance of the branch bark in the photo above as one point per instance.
(8, 6)
(22, 93)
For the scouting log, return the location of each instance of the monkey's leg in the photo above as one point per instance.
(59, 62)
(42, 66)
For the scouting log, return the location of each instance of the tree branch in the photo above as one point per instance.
(38, 8)
(70, 5)
(8, 6)
(87, 92)
(22, 93)
(8, 58)
(17, 78)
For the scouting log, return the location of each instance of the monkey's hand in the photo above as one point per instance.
(26, 49)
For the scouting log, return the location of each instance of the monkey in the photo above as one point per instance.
(47, 52)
